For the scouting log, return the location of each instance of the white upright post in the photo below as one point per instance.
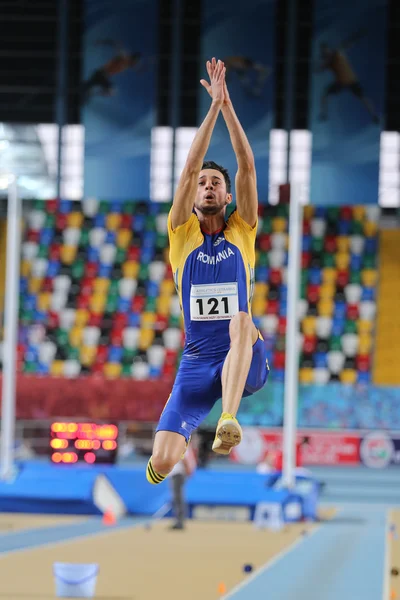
(10, 331)
(292, 354)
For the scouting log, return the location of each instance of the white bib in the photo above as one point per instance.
(215, 301)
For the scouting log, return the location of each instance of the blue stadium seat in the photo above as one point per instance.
(367, 294)
(320, 360)
(356, 262)
(315, 276)
(65, 206)
(307, 239)
(93, 254)
(53, 268)
(123, 305)
(139, 223)
(100, 220)
(115, 354)
(110, 237)
(46, 236)
(104, 271)
(116, 207)
(134, 319)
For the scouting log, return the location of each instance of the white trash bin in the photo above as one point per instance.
(75, 580)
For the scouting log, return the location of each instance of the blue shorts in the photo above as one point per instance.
(198, 386)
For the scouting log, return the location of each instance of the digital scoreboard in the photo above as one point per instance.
(93, 443)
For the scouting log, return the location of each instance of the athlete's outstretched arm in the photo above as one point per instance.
(246, 179)
(186, 190)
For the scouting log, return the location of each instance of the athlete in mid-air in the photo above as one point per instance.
(100, 79)
(213, 265)
(345, 78)
(251, 73)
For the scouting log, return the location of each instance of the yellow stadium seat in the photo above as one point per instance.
(163, 305)
(329, 275)
(358, 213)
(112, 370)
(148, 319)
(146, 337)
(370, 228)
(343, 243)
(325, 307)
(306, 375)
(34, 285)
(258, 307)
(364, 343)
(308, 325)
(113, 221)
(130, 269)
(97, 303)
(81, 317)
(167, 287)
(348, 376)
(68, 254)
(43, 302)
(25, 268)
(57, 368)
(308, 212)
(260, 289)
(327, 291)
(75, 336)
(279, 225)
(342, 260)
(364, 326)
(124, 237)
(369, 277)
(75, 219)
(101, 285)
(88, 355)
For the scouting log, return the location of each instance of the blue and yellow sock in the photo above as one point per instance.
(152, 476)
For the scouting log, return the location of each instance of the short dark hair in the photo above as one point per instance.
(210, 164)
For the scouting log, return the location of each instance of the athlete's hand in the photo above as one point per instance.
(216, 71)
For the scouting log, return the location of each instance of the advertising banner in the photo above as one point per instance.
(231, 32)
(348, 93)
(118, 96)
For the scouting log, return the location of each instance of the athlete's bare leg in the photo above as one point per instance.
(235, 371)
(244, 335)
(168, 449)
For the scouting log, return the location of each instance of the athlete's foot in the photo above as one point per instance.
(177, 527)
(228, 434)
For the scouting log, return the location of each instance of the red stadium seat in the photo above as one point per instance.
(352, 312)
(282, 325)
(342, 278)
(53, 320)
(279, 360)
(363, 362)
(47, 284)
(33, 236)
(275, 277)
(133, 253)
(126, 221)
(91, 269)
(330, 244)
(346, 213)
(95, 320)
(82, 301)
(309, 344)
(120, 320)
(116, 337)
(273, 307)
(264, 242)
(313, 293)
(61, 221)
(306, 227)
(138, 304)
(52, 206)
(54, 252)
(161, 323)
(305, 260)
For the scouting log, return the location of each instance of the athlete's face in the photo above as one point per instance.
(212, 196)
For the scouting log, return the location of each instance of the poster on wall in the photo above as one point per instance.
(118, 94)
(246, 45)
(347, 100)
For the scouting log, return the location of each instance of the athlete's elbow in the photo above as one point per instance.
(247, 162)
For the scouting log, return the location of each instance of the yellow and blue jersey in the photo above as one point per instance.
(214, 277)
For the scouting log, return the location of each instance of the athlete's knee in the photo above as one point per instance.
(240, 326)
(163, 462)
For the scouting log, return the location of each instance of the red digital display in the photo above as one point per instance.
(92, 443)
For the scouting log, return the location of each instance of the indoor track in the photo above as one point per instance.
(348, 557)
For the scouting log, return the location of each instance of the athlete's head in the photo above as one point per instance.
(214, 189)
